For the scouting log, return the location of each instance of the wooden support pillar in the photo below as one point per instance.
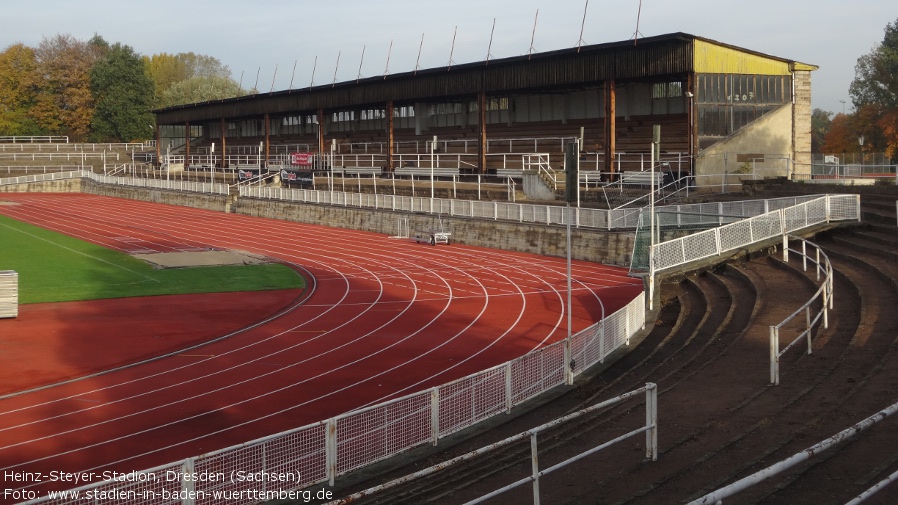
(390, 140)
(690, 120)
(186, 144)
(481, 119)
(267, 140)
(321, 132)
(158, 143)
(610, 126)
(222, 140)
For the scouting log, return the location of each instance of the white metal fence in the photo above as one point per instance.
(650, 428)
(626, 218)
(774, 223)
(824, 293)
(173, 185)
(322, 451)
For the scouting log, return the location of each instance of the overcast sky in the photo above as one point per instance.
(263, 40)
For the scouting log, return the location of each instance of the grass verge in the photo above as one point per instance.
(54, 268)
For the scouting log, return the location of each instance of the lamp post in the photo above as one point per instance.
(860, 151)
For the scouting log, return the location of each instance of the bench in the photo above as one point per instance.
(514, 173)
(426, 171)
(639, 178)
(357, 171)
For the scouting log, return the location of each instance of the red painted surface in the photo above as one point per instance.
(383, 318)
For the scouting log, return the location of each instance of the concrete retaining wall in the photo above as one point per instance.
(591, 245)
(60, 186)
(196, 200)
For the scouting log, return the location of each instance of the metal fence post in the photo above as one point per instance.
(330, 450)
(651, 421)
(534, 466)
(188, 484)
(807, 317)
(508, 389)
(774, 356)
(435, 414)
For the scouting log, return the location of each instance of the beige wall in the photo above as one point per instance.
(771, 135)
(801, 127)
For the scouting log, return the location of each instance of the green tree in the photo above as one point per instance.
(168, 70)
(200, 89)
(123, 92)
(18, 85)
(875, 86)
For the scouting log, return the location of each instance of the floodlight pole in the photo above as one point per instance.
(212, 163)
(656, 141)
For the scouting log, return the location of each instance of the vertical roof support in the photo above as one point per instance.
(610, 125)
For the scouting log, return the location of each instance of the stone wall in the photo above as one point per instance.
(599, 246)
(219, 203)
(73, 185)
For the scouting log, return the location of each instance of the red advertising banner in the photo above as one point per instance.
(304, 159)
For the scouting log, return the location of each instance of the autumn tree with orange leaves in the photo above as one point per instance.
(874, 93)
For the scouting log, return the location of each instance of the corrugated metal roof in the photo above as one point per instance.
(651, 57)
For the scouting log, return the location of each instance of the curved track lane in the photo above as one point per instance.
(386, 317)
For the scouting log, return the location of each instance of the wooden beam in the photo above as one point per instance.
(481, 119)
(186, 144)
(223, 141)
(267, 140)
(610, 126)
(390, 142)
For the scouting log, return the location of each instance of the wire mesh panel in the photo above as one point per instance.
(587, 348)
(370, 435)
(471, 399)
(536, 372)
(149, 487)
(844, 207)
(289, 461)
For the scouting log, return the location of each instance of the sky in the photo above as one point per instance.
(275, 45)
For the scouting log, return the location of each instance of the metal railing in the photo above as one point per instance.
(774, 223)
(716, 497)
(651, 450)
(51, 176)
(172, 185)
(42, 169)
(34, 139)
(825, 293)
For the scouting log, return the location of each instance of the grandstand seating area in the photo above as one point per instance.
(719, 417)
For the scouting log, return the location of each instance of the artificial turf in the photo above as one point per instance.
(53, 267)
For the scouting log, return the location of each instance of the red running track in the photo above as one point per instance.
(382, 318)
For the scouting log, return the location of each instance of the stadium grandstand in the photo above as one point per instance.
(720, 109)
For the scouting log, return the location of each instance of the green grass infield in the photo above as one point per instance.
(55, 268)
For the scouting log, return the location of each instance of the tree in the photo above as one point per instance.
(839, 139)
(64, 103)
(820, 125)
(200, 89)
(875, 86)
(167, 70)
(18, 78)
(123, 92)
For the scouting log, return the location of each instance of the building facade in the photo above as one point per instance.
(721, 108)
